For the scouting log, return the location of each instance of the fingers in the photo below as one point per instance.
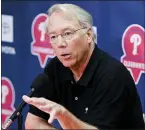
(45, 105)
(35, 101)
(46, 108)
(26, 99)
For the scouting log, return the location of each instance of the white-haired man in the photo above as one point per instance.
(88, 89)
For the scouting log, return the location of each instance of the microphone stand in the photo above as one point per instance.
(17, 114)
(20, 120)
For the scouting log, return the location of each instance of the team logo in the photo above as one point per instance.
(40, 45)
(8, 98)
(7, 28)
(133, 44)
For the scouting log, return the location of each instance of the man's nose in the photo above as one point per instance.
(61, 42)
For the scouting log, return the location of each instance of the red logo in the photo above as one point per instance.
(8, 98)
(133, 44)
(40, 45)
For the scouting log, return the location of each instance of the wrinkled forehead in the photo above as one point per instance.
(59, 21)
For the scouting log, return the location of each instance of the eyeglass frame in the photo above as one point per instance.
(62, 35)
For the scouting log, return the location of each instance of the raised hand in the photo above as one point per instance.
(55, 110)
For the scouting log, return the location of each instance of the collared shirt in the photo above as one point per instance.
(105, 96)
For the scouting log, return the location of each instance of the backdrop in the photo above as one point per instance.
(120, 32)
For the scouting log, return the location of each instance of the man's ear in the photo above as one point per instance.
(90, 35)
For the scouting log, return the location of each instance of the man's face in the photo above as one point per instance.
(71, 52)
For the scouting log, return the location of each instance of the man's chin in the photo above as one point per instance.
(68, 64)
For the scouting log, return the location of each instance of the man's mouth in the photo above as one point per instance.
(66, 55)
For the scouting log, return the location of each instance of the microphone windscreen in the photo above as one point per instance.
(40, 81)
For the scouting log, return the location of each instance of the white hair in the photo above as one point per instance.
(74, 11)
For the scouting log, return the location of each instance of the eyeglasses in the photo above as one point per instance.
(66, 35)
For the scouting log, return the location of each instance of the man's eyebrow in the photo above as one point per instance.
(67, 28)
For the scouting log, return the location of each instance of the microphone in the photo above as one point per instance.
(40, 81)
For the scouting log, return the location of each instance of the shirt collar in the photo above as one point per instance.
(88, 72)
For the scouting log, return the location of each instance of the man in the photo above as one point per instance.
(88, 89)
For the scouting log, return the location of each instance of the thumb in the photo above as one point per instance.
(52, 117)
